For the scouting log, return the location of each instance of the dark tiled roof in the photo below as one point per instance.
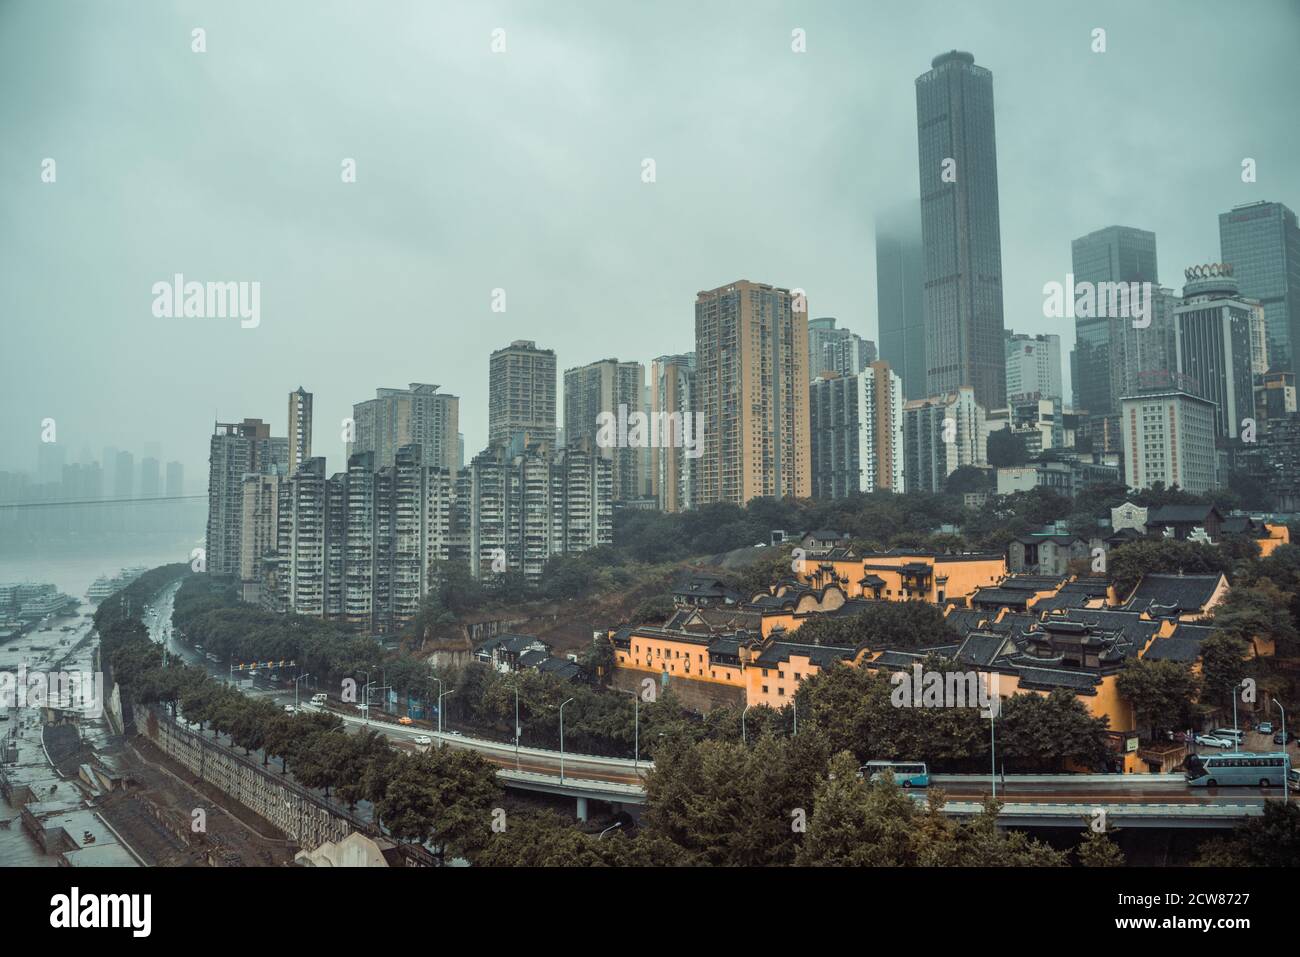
(997, 597)
(1172, 594)
(1130, 625)
(780, 651)
(560, 667)
(1183, 645)
(703, 586)
(895, 659)
(1045, 679)
(1178, 514)
(1031, 583)
(962, 620)
(980, 648)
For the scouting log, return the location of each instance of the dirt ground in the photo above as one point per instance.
(155, 817)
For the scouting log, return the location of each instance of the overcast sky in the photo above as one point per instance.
(522, 170)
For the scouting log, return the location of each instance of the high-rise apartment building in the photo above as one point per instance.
(299, 428)
(521, 394)
(596, 390)
(857, 432)
(1212, 332)
(1168, 438)
(940, 435)
(520, 508)
(418, 415)
(175, 487)
(1261, 241)
(672, 401)
(235, 450)
(836, 350)
(360, 546)
(259, 528)
(1034, 365)
(150, 478)
(900, 295)
(751, 378)
(960, 229)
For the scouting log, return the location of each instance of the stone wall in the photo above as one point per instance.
(303, 816)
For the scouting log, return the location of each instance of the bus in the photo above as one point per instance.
(907, 774)
(1238, 768)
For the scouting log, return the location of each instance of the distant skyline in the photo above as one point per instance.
(522, 171)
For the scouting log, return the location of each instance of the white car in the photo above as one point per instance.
(290, 709)
(422, 739)
(1210, 741)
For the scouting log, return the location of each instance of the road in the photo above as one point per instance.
(1020, 789)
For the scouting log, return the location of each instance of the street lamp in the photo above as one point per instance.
(439, 680)
(636, 728)
(295, 688)
(516, 720)
(365, 709)
(744, 737)
(1286, 784)
(611, 827)
(794, 703)
(441, 695)
(993, 749)
(562, 739)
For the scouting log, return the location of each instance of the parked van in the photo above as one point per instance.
(1231, 734)
(319, 700)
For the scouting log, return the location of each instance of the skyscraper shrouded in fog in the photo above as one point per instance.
(751, 378)
(1261, 241)
(1115, 254)
(960, 230)
(900, 295)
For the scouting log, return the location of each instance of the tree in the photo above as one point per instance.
(1161, 693)
(1272, 840)
(1006, 449)
(1098, 850)
(1222, 666)
(1128, 563)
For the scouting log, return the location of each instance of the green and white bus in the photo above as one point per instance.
(1237, 768)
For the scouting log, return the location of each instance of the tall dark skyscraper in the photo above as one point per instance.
(1261, 242)
(959, 229)
(900, 304)
(1112, 254)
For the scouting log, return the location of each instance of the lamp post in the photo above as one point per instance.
(439, 680)
(365, 700)
(295, 688)
(610, 828)
(516, 720)
(562, 738)
(744, 736)
(1286, 784)
(441, 695)
(636, 728)
(794, 703)
(993, 748)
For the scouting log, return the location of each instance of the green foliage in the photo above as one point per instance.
(1098, 850)
(1161, 692)
(1006, 449)
(1272, 840)
(898, 625)
(1128, 563)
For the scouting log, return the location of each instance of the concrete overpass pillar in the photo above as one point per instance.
(582, 809)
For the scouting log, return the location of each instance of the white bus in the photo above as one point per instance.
(1238, 768)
